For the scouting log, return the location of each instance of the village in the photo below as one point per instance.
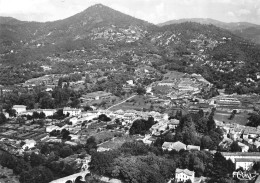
(110, 124)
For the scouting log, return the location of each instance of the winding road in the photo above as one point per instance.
(120, 102)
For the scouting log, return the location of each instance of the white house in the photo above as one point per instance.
(74, 120)
(51, 128)
(29, 144)
(173, 146)
(257, 144)
(192, 147)
(48, 112)
(244, 147)
(184, 175)
(71, 111)
(6, 115)
(19, 108)
(245, 163)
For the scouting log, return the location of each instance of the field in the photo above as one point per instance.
(240, 118)
(135, 103)
(139, 103)
(117, 142)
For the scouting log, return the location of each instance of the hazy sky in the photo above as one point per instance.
(154, 11)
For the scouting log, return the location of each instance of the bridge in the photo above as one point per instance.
(75, 178)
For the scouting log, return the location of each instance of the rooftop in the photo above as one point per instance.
(246, 160)
(240, 153)
(186, 171)
(19, 106)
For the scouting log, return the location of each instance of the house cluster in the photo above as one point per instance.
(177, 146)
(114, 34)
(21, 110)
(245, 135)
(164, 126)
(19, 137)
(47, 80)
(182, 87)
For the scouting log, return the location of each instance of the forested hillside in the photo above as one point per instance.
(99, 32)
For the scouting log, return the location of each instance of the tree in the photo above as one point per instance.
(87, 108)
(87, 78)
(103, 117)
(59, 114)
(39, 174)
(206, 142)
(10, 111)
(27, 99)
(234, 147)
(35, 115)
(222, 168)
(36, 159)
(44, 148)
(65, 134)
(2, 118)
(91, 144)
(66, 151)
(75, 103)
(60, 82)
(42, 115)
(46, 102)
(140, 90)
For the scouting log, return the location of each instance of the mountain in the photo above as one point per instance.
(100, 38)
(244, 29)
(94, 23)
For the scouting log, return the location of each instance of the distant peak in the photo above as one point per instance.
(99, 5)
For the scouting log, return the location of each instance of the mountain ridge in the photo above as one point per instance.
(246, 30)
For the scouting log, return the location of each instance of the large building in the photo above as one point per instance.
(71, 111)
(246, 163)
(227, 101)
(177, 146)
(47, 112)
(19, 108)
(184, 175)
(242, 159)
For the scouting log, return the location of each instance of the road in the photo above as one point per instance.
(120, 102)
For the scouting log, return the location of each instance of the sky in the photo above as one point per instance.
(153, 11)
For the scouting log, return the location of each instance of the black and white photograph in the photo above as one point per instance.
(129, 91)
